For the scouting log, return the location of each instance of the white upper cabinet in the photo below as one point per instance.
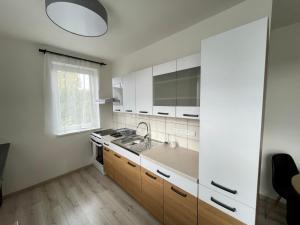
(128, 83)
(164, 68)
(144, 89)
(189, 62)
(164, 89)
(117, 94)
(232, 94)
(188, 87)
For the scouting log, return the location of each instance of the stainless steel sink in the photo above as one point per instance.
(136, 143)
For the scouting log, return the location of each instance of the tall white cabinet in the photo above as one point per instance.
(232, 94)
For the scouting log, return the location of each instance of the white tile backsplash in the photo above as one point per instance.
(170, 128)
(183, 131)
(158, 136)
(193, 132)
(158, 125)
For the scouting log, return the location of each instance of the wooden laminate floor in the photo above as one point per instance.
(80, 198)
(87, 198)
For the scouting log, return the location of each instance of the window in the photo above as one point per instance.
(73, 89)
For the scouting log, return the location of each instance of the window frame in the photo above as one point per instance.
(93, 74)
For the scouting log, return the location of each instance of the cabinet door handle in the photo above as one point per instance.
(223, 188)
(161, 173)
(131, 164)
(162, 113)
(117, 110)
(223, 205)
(128, 110)
(149, 175)
(117, 156)
(106, 144)
(178, 192)
(144, 112)
(190, 115)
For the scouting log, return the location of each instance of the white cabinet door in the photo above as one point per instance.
(117, 108)
(164, 68)
(188, 112)
(144, 91)
(232, 93)
(128, 82)
(166, 111)
(117, 90)
(188, 62)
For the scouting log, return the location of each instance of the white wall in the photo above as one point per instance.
(35, 156)
(282, 119)
(188, 41)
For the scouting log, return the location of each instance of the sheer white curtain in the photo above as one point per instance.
(71, 89)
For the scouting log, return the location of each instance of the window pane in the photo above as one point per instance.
(74, 100)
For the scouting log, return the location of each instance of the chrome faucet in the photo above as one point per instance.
(148, 135)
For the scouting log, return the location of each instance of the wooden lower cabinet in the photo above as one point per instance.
(108, 162)
(209, 215)
(153, 194)
(133, 179)
(180, 207)
(169, 204)
(119, 170)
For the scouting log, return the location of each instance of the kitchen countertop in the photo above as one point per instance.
(179, 160)
(108, 138)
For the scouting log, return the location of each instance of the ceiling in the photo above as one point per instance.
(285, 13)
(133, 24)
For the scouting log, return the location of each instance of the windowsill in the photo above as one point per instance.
(77, 132)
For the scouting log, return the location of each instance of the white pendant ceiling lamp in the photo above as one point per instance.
(82, 17)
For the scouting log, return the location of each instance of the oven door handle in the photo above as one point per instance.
(96, 143)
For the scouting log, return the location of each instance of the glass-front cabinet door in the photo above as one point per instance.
(164, 89)
(188, 87)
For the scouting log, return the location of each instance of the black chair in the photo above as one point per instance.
(283, 169)
(3, 156)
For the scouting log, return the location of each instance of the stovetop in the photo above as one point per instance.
(118, 133)
(104, 132)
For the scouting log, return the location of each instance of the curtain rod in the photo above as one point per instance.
(69, 56)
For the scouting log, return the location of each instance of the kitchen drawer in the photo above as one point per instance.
(188, 112)
(125, 153)
(129, 109)
(168, 111)
(144, 110)
(182, 182)
(164, 68)
(117, 108)
(153, 194)
(232, 208)
(180, 208)
(208, 215)
(133, 179)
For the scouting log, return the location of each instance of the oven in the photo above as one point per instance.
(97, 150)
